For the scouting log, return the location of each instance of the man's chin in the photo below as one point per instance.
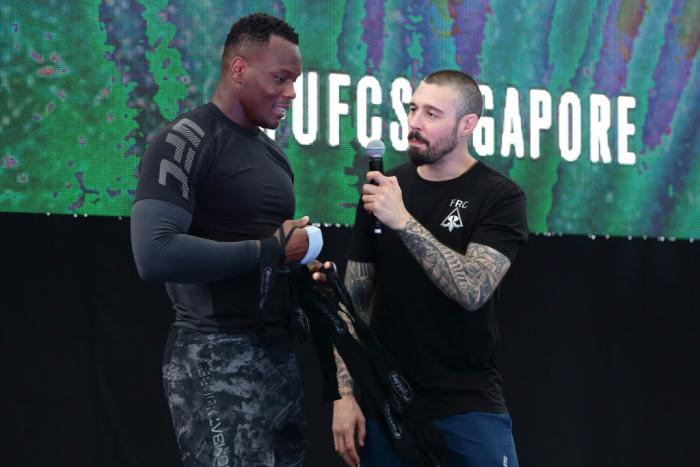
(270, 125)
(417, 158)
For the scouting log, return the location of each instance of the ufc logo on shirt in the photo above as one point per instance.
(185, 137)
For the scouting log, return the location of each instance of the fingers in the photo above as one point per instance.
(361, 431)
(319, 276)
(377, 177)
(388, 186)
(289, 224)
(316, 267)
(351, 456)
(381, 179)
(338, 445)
(318, 273)
(342, 450)
(301, 222)
(349, 451)
(344, 441)
(348, 420)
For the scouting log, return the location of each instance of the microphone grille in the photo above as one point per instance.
(375, 148)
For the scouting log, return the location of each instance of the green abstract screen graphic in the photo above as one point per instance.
(591, 105)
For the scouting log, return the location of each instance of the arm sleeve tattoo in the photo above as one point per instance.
(345, 383)
(468, 279)
(359, 280)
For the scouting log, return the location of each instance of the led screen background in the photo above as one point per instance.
(85, 84)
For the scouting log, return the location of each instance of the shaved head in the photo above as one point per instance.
(470, 100)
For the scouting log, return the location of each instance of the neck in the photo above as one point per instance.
(226, 99)
(450, 166)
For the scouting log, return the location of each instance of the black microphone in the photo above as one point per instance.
(375, 153)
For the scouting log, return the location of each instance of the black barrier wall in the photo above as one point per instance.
(600, 351)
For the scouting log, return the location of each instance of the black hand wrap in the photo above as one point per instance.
(272, 257)
(375, 373)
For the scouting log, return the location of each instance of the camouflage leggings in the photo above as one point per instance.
(233, 401)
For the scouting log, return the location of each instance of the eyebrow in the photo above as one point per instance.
(283, 69)
(427, 106)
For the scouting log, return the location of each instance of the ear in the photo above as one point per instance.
(467, 124)
(237, 68)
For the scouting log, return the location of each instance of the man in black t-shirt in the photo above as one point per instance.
(452, 227)
(214, 201)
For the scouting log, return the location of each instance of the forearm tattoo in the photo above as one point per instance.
(345, 384)
(359, 280)
(469, 279)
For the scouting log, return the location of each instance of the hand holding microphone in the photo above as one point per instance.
(382, 197)
(375, 154)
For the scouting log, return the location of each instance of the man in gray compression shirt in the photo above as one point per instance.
(216, 195)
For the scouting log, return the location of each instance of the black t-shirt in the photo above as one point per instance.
(238, 185)
(446, 351)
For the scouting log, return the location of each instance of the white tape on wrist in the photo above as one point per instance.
(315, 243)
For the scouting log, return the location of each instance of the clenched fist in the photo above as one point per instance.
(294, 239)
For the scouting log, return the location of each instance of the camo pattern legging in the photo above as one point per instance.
(234, 401)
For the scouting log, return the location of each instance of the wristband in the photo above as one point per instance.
(315, 243)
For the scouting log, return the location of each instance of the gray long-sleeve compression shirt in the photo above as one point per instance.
(163, 250)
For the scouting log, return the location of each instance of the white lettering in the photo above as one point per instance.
(512, 126)
(308, 137)
(483, 137)
(335, 107)
(570, 126)
(400, 96)
(540, 118)
(371, 84)
(625, 130)
(599, 126)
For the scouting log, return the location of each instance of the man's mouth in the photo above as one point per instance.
(281, 110)
(416, 139)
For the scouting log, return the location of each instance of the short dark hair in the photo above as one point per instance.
(471, 101)
(256, 29)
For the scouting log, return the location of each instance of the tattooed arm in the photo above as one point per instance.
(348, 419)
(468, 279)
(359, 280)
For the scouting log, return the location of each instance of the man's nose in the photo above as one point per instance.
(289, 92)
(414, 122)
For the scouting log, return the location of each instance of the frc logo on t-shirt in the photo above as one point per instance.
(454, 218)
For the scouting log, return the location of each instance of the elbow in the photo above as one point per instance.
(471, 306)
(147, 271)
(473, 303)
(147, 266)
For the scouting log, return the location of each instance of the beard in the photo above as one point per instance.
(431, 152)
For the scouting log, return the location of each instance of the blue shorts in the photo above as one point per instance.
(474, 439)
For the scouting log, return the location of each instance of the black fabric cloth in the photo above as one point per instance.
(317, 308)
(238, 186)
(446, 352)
